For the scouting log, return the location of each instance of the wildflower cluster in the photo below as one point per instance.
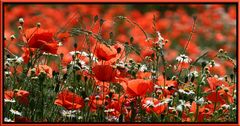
(113, 68)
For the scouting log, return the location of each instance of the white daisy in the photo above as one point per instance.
(183, 58)
(11, 101)
(15, 112)
(7, 120)
(68, 113)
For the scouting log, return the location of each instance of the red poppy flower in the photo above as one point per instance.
(214, 82)
(26, 54)
(105, 53)
(96, 103)
(69, 100)
(203, 112)
(22, 96)
(215, 97)
(8, 94)
(45, 69)
(104, 72)
(42, 39)
(138, 87)
(168, 83)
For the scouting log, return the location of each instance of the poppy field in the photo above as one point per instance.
(120, 63)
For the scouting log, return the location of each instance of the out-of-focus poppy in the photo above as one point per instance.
(104, 73)
(69, 100)
(96, 102)
(45, 69)
(215, 97)
(203, 112)
(26, 54)
(214, 82)
(41, 39)
(105, 53)
(139, 87)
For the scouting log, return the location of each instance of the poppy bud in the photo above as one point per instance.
(61, 55)
(5, 38)
(75, 45)
(101, 22)
(8, 56)
(111, 35)
(21, 21)
(212, 63)
(95, 18)
(218, 88)
(131, 39)
(235, 69)
(226, 89)
(232, 76)
(118, 50)
(204, 63)
(85, 78)
(110, 95)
